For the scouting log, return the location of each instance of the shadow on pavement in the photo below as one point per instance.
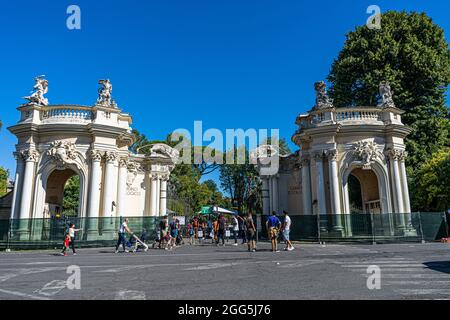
(441, 266)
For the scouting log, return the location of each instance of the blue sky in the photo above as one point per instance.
(232, 64)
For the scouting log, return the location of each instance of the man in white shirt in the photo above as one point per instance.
(235, 229)
(286, 230)
(122, 229)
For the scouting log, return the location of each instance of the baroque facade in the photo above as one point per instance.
(56, 142)
(336, 145)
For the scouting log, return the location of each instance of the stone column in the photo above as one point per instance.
(306, 186)
(163, 199)
(158, 195)
(320, 184)
(154, 195)
(122, 187)
(94, 195)
(397, 187)
(20, 167)
(30, 156)
(108, 189)
(407, 205)
(265, 195)
(275, 193)
(334, 189)
(405, 189)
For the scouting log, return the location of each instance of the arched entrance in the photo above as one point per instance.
(63, 194)
(364, 194)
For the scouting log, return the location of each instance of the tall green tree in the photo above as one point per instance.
(71, 200)
(241, 182)
(432, 186)
(4, 174)
(410, 52)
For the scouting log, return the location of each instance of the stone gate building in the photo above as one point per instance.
(365, 144)
(56, 142)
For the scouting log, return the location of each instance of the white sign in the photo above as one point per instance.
(181, 219)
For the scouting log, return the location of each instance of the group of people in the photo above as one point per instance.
(169, 235)
(244, 226)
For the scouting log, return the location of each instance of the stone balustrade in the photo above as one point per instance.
(67, 113)
(348, 116)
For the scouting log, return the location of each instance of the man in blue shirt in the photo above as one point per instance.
(273, 225)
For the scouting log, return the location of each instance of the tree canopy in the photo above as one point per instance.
(412, 54)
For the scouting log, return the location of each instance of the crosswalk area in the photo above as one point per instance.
(407, 278)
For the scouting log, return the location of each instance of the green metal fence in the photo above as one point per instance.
(365, 228)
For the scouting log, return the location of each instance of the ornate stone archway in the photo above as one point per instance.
(93, 142)
(334, 142)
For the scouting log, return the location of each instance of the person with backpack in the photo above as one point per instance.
(173, 234)
(221, 230)
(273, 225)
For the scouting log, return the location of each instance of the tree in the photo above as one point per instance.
(71, 196)
(432, 184)
(411, 53)
(187, 194)
(241, 182)
(4, 174)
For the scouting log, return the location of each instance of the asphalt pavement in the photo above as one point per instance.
(311, 271)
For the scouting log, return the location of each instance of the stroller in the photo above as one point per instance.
(139, 243)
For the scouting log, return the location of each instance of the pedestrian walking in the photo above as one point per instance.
(273, 225)
(66, 245)
(163, 229)
(221, 230)
(123, 229)
(191, 233)
(250, 232)
(196, 225)
(71, 235)
(235, 229)
(173, 234)
(286, 228)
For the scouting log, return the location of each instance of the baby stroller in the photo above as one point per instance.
(139, 243)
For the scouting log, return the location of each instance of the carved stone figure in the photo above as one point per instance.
(322, 99)
(104, 93)
(367, 152)
(40, 88)
(163, 150)
(63, 153)
(386, 95)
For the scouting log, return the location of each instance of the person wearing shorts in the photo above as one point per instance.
(286, 230)
(250, 233)
(273, 225)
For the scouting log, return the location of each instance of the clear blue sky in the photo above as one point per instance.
(232, 64)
